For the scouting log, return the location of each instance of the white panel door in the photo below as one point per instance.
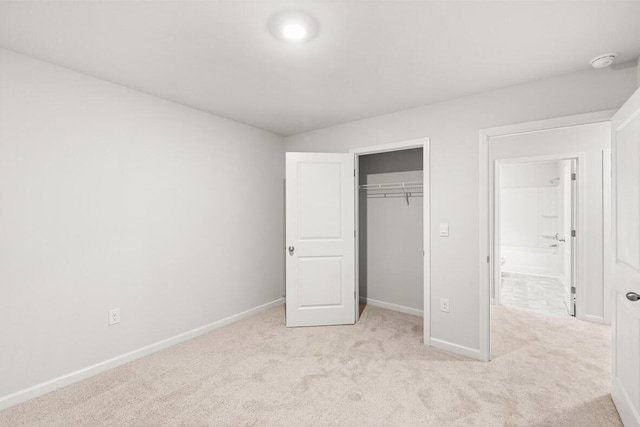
(320, 224)
(625, 314)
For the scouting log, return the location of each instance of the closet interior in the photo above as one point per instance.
(390, 214)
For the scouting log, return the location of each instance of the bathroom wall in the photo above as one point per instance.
(530, 207)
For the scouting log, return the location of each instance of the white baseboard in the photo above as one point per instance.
(394, 307)
(441, 344)
(626, 405)
(595, 319)
(473, 353)
(81, 374)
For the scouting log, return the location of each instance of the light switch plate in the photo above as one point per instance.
(444, 229)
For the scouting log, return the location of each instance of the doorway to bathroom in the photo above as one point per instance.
(585, 138)
(588, 146)
(536, 216)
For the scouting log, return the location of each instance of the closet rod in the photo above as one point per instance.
(392, 195)
(393, 186)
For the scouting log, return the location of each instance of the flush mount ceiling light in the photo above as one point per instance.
(604, 60)
(293, 26)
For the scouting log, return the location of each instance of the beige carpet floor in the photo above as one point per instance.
(547, 370)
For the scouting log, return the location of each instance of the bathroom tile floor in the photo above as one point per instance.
(533, 292)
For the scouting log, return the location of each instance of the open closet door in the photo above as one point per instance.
(320, 229)
(625, 310)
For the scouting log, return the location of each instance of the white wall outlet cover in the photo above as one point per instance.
(444, 229)
(114, 316)
(444, 305)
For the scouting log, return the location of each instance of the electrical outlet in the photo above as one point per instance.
(114, 316)
(444, 304)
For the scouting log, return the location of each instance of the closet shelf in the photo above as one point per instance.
(394, 189)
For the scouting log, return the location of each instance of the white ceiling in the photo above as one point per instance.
(370, 57)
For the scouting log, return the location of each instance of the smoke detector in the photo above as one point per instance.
(604, 60)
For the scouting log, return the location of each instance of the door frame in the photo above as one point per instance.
(577, 212)
(485, 261)
(399, 146)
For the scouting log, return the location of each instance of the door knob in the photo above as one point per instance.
(291, 249)
(632, 296)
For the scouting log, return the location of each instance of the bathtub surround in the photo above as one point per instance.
(535, 261)
(530, 230)
(535, 235)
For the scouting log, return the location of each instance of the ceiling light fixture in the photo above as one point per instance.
(604, 60)
(293, 26)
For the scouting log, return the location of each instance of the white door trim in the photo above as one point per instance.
(397, 146)
(608, 259)
(485, 263)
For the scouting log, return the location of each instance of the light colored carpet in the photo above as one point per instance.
(547, 370)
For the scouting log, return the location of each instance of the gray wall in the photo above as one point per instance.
(391, 233)
(453, 127)
(113, 198)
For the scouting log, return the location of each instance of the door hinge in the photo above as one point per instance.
(354, 234)
(573, 233)
(354, 172)
(488, 259)
(573, 177)
(573, 289)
